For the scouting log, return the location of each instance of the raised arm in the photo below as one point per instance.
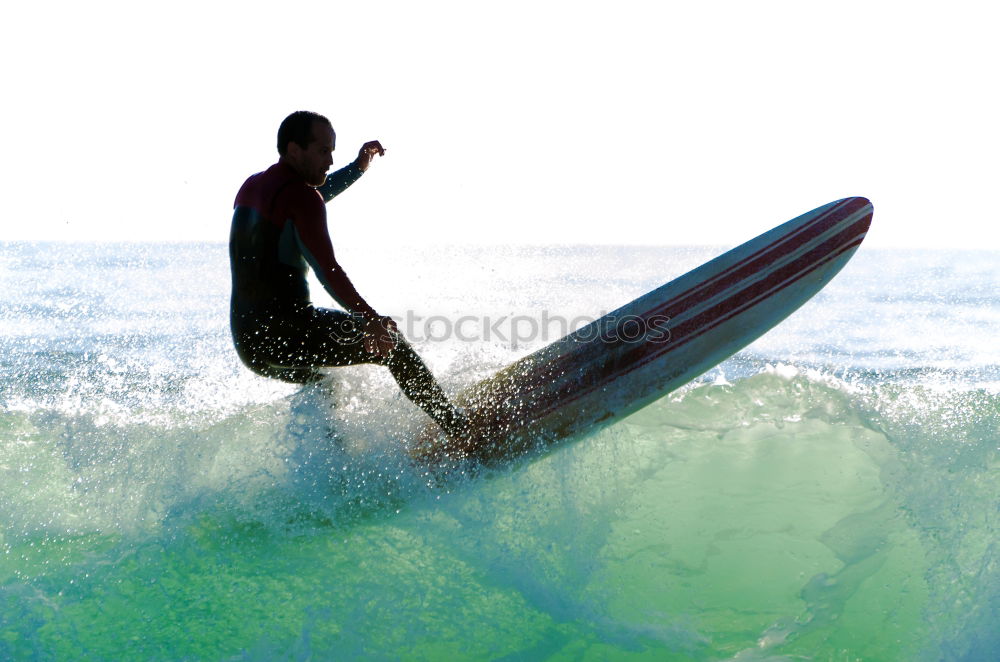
(337, 182)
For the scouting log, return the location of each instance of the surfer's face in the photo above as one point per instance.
(313, 161)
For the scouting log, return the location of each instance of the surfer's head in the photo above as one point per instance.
(306, 141)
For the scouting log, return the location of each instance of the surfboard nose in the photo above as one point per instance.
(859, 210)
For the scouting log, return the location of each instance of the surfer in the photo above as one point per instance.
(279, 227)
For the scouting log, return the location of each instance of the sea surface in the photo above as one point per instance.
(830, 493)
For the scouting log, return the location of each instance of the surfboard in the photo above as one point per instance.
(649, 347)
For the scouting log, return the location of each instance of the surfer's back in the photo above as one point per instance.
(268, 271)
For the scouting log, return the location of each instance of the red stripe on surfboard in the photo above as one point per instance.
(693, 331)
(738, 301)
(512, 420)
(735, 273)
(718, 314)
(581, 391)
(774, 252)
(809, 231)
(506, 390)
(736, 311)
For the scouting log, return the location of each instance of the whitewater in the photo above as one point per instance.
(832, 492)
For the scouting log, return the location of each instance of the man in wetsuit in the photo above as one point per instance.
(279, 227)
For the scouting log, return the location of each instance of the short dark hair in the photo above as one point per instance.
(297, 128)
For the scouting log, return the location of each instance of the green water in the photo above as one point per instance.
(780, 518)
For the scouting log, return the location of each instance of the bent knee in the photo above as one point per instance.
(260, 365)
(291, 375)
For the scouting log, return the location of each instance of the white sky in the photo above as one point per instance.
(508, 122)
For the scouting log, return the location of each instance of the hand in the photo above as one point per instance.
(368, 153)
(380, 335)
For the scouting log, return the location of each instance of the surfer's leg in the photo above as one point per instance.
(291, 375)
(266, 349)
(407, 368)
(419, 385)
(291, 348)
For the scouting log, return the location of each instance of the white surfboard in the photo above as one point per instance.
(653, 345)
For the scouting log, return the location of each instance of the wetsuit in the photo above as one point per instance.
(279, 227)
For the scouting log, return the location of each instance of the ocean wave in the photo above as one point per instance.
(786, 513)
